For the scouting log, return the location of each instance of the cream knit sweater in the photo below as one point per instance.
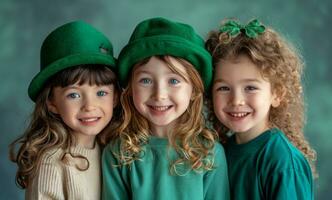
(59, 176)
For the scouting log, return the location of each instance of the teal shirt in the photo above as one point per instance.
(150, 177)
(268, 167)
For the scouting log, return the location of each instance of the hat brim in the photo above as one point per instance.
(39, 80)
(165, 45)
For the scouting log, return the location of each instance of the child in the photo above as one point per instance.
(257, 95)
(75, 92)
(163, 150)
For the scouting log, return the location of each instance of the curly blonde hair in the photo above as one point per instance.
(47, 131)
(191, 140)
(281, 64)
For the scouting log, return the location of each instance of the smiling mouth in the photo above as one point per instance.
(160, 108)
(238, 114)
(89, 120)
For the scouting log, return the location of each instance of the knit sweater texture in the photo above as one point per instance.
(60, 175)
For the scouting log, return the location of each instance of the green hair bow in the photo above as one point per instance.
(252, 29)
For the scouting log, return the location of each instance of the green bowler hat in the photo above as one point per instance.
(72, 44)
(159, 36)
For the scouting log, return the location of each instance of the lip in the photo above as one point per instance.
(88, 121)
(237, 116)
(159, 109)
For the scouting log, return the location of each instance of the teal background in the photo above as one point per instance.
(25, 23)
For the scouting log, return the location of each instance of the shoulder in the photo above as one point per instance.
(278, 146)
(110, 152)
(219, 154)
(218, 149)
(50, 166)
(112, 146)
(280, 153)
(52, 156)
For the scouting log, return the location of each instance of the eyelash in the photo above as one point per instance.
(73, 95)
(174, 81)
(145, 81)
(247, 88)
(250, 88)
(223, 88)
(101, 91)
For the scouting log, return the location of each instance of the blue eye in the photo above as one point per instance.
(73, 95)
(145, 81)
(174, 81)
(101, 93)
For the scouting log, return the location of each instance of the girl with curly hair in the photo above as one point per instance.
(74, 94)
(257, 96)
(163, 149)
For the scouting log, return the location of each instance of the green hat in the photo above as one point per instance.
(159, 36)
(72, 44)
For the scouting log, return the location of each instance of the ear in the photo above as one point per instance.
(51, 106)
(275, 102)
(277, 97)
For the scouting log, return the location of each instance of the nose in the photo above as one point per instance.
(89, 103)
(160, 92)
(237, 98)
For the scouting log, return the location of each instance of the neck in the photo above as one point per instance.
(85, 141)
(161, 131)
(244, 137)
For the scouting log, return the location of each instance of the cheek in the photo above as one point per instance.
(109, 105)
(217, 105)
(67, 114)
(259, 100)
(187, 92)
(138, 97)
(218, 101)
(67, 108)
(183, 95)
(218, 111)
(109, 112)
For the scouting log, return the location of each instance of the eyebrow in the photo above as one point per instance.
(141, 71)
(71, 87)
(219, 80)
(148, 72)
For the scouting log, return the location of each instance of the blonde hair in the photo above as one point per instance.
(191, 140)
(46, 130)
(281, 64)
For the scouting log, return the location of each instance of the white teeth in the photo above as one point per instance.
(238, 114)
(160, 108)
(89, 119)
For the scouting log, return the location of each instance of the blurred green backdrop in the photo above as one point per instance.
(25, 23)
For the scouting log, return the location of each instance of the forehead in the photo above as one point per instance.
(84, 86)
(157, 66)
(239, 68)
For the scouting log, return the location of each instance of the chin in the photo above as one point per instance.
(239, 129)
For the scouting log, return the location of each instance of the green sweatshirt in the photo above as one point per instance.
(150, 177)
(268, 167)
